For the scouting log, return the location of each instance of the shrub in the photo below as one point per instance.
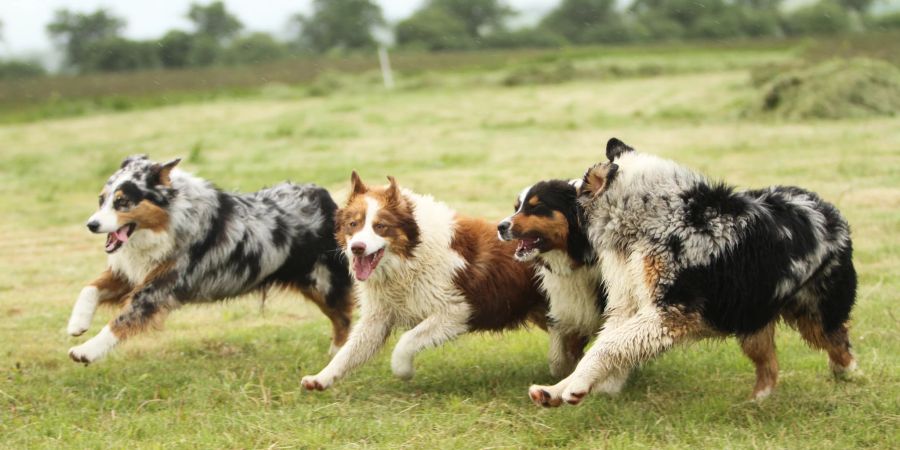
(253, 49)
(824, 17)
(16, 69)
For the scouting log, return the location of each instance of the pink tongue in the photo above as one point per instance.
(363, 267)
(122, 234)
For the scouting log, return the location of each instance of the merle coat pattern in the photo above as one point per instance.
(684, 258)
(174, 238)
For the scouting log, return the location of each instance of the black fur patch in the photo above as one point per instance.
(214, 234)
(559, 195)
(736, 292)
(615, 148)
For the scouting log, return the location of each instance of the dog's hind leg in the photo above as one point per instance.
(107, 288)
(836, 343)
(338, 307)
(147, 306)
(431, 332)
(760, 348)
(828, 300)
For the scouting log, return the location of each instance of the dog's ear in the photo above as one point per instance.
(130, 159)
(598, 178)
(357, 187)
(393, 191)
(159, 173)
(615, 148)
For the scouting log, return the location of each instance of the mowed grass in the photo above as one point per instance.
(227, 375)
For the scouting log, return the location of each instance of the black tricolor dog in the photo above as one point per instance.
(547, 228)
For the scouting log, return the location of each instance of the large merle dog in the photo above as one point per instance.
(683, 258)
(173, 238)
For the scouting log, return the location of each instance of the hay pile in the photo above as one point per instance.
(836, 89)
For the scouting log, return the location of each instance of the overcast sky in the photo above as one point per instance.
(24, 21)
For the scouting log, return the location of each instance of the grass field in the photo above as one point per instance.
(227, 375)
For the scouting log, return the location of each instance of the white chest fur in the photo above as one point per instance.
(143, 252)
(572, 292)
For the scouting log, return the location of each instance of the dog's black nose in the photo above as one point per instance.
(358, 248)
(93, 226)
(503, 227)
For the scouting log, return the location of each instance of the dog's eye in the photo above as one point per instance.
(120, 203)
(380, 227)
(353, 224)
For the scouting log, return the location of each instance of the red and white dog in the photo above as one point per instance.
(423, 267)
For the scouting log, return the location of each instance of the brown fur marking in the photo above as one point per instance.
(502, 291)
(145, 215)
(760, 348)
(340, 317)
(111, 287)
(394, 220)
(554, 229)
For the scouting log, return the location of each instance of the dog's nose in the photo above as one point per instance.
(503, 227)
(93, 226)
(358, 248)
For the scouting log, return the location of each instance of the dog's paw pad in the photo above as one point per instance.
(574, 398)
(542, 397)
(313, 384)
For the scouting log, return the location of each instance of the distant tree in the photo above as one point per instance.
(118, 54)
(433, 29)
(339, 24)
(821, 18)
(75, 32)
(175, 49)
(480, 17)
(254, 49)
(214, 21)
(585, 21)
(859, 6)
(205, 51)
(453, 24)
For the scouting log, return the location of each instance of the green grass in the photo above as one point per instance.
(227, 375)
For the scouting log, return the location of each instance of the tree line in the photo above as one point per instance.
(92, 42)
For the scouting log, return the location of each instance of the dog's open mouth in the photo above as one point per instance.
(363, 266)
(118, 238)
(527, 247)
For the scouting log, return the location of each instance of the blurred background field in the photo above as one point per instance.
(471, 126)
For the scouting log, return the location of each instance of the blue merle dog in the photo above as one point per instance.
(173, 238)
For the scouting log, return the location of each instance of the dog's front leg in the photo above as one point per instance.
(616, 351)
(366, 338)
(147, 306)
(107, 287)
(431, 332)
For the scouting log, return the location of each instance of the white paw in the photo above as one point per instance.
(546, 396)
(845, 373)
(83, 312)
(95, 348)
(762, 394)
(403, 368)
(576, 391)
(78, 324)
(316, 382)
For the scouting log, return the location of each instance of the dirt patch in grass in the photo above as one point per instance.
(836, 89)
